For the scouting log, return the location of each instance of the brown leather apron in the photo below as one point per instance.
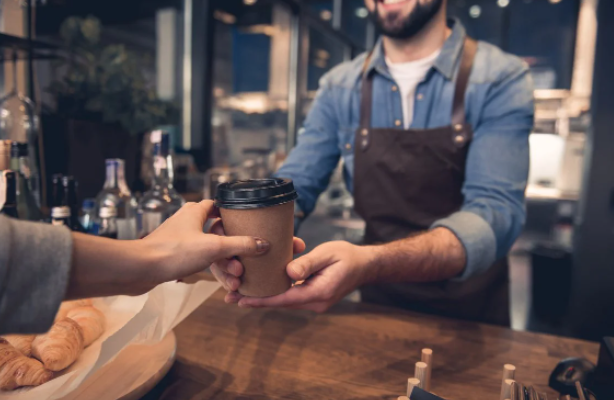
(404, 181)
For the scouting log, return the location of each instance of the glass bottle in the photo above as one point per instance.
(20, 163)
(162, 200)
(88, 218)
(107, 226)
(8, 194)
(5, 155)
(70, 201)
(60, 213)
(116, 193)
(18, 117)
(28, 168)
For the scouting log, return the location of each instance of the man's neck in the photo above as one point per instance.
(430, 39)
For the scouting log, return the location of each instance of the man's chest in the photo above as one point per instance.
(430, 102)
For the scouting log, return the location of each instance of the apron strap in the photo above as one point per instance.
(458, 105)
(462, 80)
(366, 97)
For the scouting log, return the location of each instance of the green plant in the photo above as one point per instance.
(106, 82)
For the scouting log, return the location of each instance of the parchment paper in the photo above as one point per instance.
(144, 319)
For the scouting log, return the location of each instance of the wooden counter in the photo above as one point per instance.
(355, 351)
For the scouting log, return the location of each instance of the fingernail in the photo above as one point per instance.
(262, 245)
(231, 298)
(298, 270)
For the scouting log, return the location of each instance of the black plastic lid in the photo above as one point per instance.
(255, 193)
(19, 149)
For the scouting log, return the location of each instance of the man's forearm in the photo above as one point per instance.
(431, 256)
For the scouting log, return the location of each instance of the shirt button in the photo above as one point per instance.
(395, 88)
(348, 146)
(398, 122)
(364, 132)
(420, 96)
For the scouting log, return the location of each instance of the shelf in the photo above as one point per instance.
(39, 50)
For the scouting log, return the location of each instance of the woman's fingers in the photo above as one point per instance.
(217, 228)
(229, 282)
(232, 297)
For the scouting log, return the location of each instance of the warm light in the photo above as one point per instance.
(224, 17)
(251, 103)
(555, 1)
(261, 29)
(475, 11)
(503, 3)
(218, 92)
(326, 15)
(320, 63)
(249, 2)
(321, 53)
(362, 12)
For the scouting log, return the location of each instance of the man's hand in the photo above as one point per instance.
(228, 271)
(334, 269)
(331, 271)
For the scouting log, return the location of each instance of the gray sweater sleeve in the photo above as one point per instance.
(34, 271)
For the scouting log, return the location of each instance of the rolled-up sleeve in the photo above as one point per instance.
(34, 273)
(493, 212)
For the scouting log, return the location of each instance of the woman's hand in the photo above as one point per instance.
(176, 250)
(187, 250)
(228, 271)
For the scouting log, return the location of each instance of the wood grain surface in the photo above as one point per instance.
(355, 351)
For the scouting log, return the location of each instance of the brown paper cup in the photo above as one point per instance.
(265, 275)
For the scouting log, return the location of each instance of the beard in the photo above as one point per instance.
(398, 27)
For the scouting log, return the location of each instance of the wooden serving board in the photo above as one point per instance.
(133, 373)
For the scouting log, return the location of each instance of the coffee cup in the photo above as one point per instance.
(261, 208)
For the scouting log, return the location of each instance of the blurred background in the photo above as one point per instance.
(232, 81)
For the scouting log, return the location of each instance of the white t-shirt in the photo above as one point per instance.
(408, 75)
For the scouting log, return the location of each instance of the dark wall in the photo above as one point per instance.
(592, 310)
(111, 12)
(542, 32)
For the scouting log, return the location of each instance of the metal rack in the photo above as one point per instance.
(24, 48)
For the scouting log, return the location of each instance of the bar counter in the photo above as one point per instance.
(354, 351)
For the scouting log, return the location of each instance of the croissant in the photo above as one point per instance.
(61, 346)
(91, 321)
(23, 343)
(66, 306)
(18, 370)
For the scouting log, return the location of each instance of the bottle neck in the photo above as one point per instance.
(14, 90)
(21, 165)
(116, 178)
(10, 191)
(163, 170)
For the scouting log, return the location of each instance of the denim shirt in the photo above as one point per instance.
(499, 106)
